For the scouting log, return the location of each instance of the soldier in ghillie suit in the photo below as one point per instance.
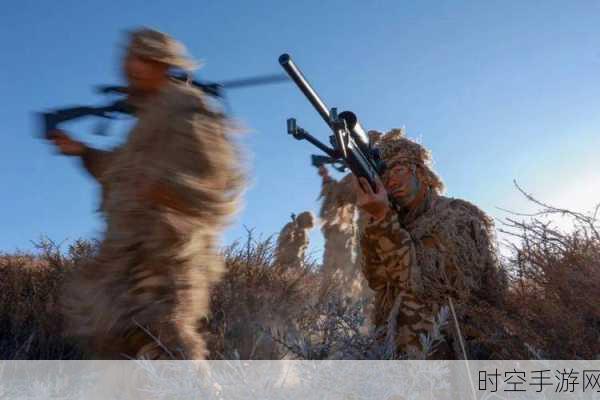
(421, 251)
(338, 225)
(293, 241)
(168, 192)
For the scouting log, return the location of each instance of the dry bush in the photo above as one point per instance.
(554, 297)
(331, 330)
(30, 322)
(261, 310)
(256, 301)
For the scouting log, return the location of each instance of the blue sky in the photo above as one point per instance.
(497, 90)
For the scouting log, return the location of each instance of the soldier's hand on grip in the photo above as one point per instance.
(374, 203)
(323, 172)
(65, 144)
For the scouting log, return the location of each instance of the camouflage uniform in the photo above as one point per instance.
(338, 224)
(415, 259)
(168, 192)
(293, 241)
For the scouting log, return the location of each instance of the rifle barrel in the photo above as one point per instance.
(294, 72)
(254, 81)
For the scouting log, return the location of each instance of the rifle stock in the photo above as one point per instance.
(51, 120)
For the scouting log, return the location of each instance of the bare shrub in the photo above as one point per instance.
(30, 321)
(256, 300)
(261, 310)
(555, 281)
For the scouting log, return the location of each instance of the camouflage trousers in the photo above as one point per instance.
(406, 321)
(130, 302)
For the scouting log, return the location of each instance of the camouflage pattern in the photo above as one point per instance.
(394, 147)
(168, 192)
(416, 259)
(293, 241)
(158, 46)
(338, 225)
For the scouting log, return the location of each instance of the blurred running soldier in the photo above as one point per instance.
(168, 192)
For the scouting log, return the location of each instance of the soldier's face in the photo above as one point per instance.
(402, 183)
(144, 74)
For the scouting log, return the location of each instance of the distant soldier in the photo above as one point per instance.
(168, 193)
(420, 251)
(293, 241)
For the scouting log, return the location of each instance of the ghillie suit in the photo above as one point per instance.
(338, 225)
(419, 257)
(168, 192)
(293, 241)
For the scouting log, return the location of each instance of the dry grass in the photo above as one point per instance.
(555, 288)
(256, 301)
(30, 322)
(262, 311)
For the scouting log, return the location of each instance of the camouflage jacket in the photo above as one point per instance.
(177, 167)
(338, 204)
(446, 249)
